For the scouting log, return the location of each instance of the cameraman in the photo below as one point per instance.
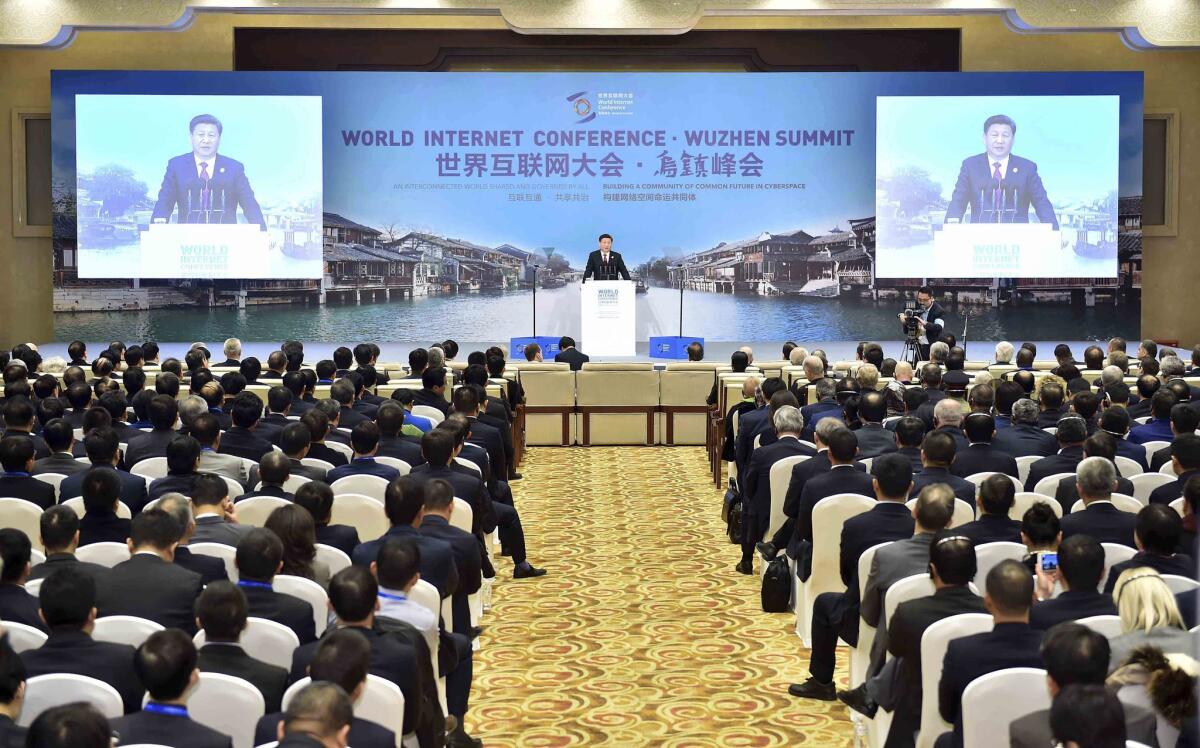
(929, 317)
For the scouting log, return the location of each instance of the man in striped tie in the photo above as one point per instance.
(998, 186)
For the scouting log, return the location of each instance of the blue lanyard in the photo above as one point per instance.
(15, 474)
(249, 583)
(168, 709)
(397, 598)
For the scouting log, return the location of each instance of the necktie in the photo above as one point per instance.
(205, 195)
(997, 192)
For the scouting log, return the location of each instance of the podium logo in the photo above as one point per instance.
(582, 107)
(607, 296)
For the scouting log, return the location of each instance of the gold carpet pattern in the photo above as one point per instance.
(641, 633)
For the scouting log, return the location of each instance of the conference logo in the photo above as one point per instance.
(582, 107)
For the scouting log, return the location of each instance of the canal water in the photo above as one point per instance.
(501, 315)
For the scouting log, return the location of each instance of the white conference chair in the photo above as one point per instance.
(860, 656)
(308, 591)
(1048, 486)
(36, 557)
(1109, 626)
(1144, 485)
(363, 513)
(1023, 465)
(990, 703)
(54, 479)
(228, 705)
(129, 630)
(22, 515)
(1168, 468)
(76, 504)
(395, 462)
(963, 512)
(779, 478)
(1025, 499)
(468, 464)
(382, 702)
(1177, 505)
(1179, 583)
(828, 516)
(106, 554)
(43, 692)
(339, 447)
(1114, 553)
(264, 640)
(235, 489)
(1119, 500)
(463, 515)
(255, 510)
(1154, 446)
(363, 485)
(1136, 695)
(150, 468)
(227, 553)
(34, 586)
(934, 643)
(22, 637)
(979, 478)
(290, 485)
(317, 463)
(988, 555)
(425, 594)
(335, 558)
(1127, 467)
(431, 413)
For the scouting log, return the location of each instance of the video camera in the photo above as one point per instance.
(911, 312)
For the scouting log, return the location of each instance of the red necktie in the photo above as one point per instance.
(997, 193)
(205, 195)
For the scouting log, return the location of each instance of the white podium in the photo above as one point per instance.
(204, 250)
(607, 314)
(1012, 250)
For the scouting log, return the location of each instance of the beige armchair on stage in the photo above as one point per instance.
(608, 316)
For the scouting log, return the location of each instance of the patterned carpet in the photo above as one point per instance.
(641, 633)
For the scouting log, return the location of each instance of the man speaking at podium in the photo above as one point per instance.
(999, 186)
(207, 187)
(604, 263)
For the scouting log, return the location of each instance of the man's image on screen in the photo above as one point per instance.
(929, 317)
(604, 263)
(207, 186)
(999, 186)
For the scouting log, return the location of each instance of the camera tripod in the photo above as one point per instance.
(912, 350)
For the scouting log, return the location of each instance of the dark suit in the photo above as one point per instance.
(22, 486)
(489, 438)
(437, 557)
(432, 399)
(97, 527)
(756, 487)
(243, 442)
(19, 606)
(970, 657)
(598, 269)
(983, 458)
(955, 433)
(148, 587)
(1103, 522)
(363, 466)
(467, 560)
(1024, 440)
(827, 408)
(1180, 564)
(342, 537)
(401, 448)
(838, 479)
(909, 622)
(750, 424)
(72, 651)
(274, 492)
(271, 425)
(1020, 189)
(874, 440)
(963, 489)
(914, 457)
(1168, 492)
(133, 487)
(991, 528)
(1066, 461)
(1137, 453)
(1067, 492)
(63, 463)
(1049, 417)
(348, 418)
(318, 451)
(214, 528)
(210, 568)
(1033, 730)
(183, 483)
(11, 734)
(1071, 605)
(573, 357)
(149, 444)
(363, 734)
(231, 659)
(40, 449)
(165, 729)
(282, 608)
(226, 189)
(55, 561)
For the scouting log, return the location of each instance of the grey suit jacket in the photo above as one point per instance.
(901, 559)
(62, 463)
(223, 464)
(214, 529)
(1033, 730)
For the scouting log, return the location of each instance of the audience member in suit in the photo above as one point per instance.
(493, 412)
(1149, 616)
(339, 676)
(294, 441)
(206, 429)
(844, 476)
(910, 432)
(756, 483)
(1158, 428)
(1010, 643)
(873, 438)
(216, 514)
(297, 384)
(1099, 444)
(1053, 408)
(1188, 541)
(980, 456)
(757, 422)
(78, 399)
(1185, 419)
(1080, 566)
(16, 604)
(568, 354)
(60, 438)
(1072, 431)
(148, 585)
(100, 523)
(166, 666)
(12, 695)
(67, 603)
(317, 498)
(318, 426)
(393, 443)
(103, 452)
(163, 413)
(19, 421)
(737, 411)
(364, 439)
(835, 614)
(341, 392)
(947, 419)
(16, 456)
(118, 408)
(221, 613)
(353, 595)
(801, 472)
(435, 523)
(1025, 438)
(210, 568)
(1073, 654)
(268, 477)
(466, 402)
(59, 529)
(937, 454)
(826, 406)
(279, 407)
(1095, 479)
(183, 457)
(433, 390)
(1156, 536)
(996, 496)
(1185, 459)
(243, 438)
(259, 558)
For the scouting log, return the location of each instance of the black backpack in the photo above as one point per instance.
(777, 585)
(731, 512)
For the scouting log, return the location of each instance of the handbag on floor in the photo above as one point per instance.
(777, 585)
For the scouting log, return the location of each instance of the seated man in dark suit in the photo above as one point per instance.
(12, 695)
(103, 452)
(1095, 479)
(835, 614)
(16, 604)
(279, 407)
(79, 398)
(210, 568)
(1075, 654)
(259, 559)
(340, 667)
(1080, 566)
(1158, 428)
(163, 413)
(294, 441)
(364, 439)
(166, 666)
(569, 354)
(825, 407)
(342, 393)
(756, 483)
(998, 186)
(269, 476)
(215, 513)
(100, 523)
(873, 438)
(1099, 444)
(435, 523)
(992, 525)
(1052, 398)
(1185, 458)
(59, 529)
(16, 456)
(1010, 643)
(980, 456)
(1185, 419)
(183, 455)
(937, 454)
(296, 383)
(318, 427)
(756, 423)
(317, 498)
(466, 402)
(60, 438)
(148, 585)
(844, 476)
(118, 407)
(1024, 437)
(19, 421)
(1156, 536)
(67, 603)
(1072, 432)
(947, 419)
(910, 432)
(221, 613)
(392, 442)
(433, 389)
(801, 473)
(243, 438)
